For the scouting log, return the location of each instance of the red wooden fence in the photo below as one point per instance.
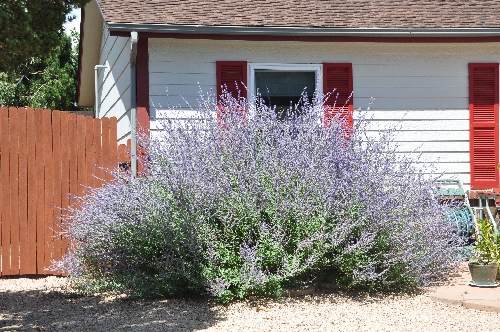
(44, 155)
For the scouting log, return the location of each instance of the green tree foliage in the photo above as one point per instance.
(29, 31)
(50, 84)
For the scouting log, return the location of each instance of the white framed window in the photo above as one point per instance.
(281, 85)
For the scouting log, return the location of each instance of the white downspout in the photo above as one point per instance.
(133, 110)
(96, 74)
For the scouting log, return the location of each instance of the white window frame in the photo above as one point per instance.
(252, 89)
(317, 68)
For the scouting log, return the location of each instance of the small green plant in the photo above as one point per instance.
(487, 243)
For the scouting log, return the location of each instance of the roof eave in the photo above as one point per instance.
(304, 31)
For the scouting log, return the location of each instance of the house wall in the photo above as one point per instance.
(426, 85)
(114, 82)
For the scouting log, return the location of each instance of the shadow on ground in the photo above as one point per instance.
(48, 311)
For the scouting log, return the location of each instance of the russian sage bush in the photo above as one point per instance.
(240, 200)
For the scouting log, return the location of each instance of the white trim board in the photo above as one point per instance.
(317, 68)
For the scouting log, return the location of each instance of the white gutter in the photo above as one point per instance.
(306, 31)
(133, 102)
(96, 92)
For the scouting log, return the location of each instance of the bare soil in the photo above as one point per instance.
(43, 304)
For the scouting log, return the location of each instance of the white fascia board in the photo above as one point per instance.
(305, 31)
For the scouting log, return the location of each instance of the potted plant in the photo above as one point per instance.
(483, 265)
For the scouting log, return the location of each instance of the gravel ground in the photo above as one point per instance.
(43, 305)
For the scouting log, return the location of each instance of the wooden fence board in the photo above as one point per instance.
(1, 190)
(44, 156)
(4, 184)
(113, 141)
(49, 187)
(90, 143)
(105, 147)
(56, 171)
(96, 129)
(14, 190)
(65, 170)
(81, 167)
(30, 266)
(23, 191)
(40, 188)
(73, 160)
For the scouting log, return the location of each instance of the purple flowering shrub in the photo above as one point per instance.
(239, 200)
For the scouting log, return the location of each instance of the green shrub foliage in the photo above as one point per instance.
(240, 201)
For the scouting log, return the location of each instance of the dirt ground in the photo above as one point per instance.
(43, 304)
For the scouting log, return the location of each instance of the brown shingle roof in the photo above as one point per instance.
(307, 13)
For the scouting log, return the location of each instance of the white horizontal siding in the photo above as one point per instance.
(422, 89)
(397, 115)
(454, 167)
(114, 82)
(435, 147)
(425, 76)
(438, 137)
(446, 157)
(423, 125)
(416, 81)
(431, 135)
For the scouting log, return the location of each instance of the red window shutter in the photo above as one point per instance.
(338, 77)
(232, 75)
(483, 118)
